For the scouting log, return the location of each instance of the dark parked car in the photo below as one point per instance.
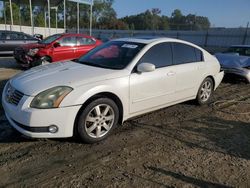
(58, 47)
(242, 50)
(9, 40)
(236, 61)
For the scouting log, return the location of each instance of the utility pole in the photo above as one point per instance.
(11, 16)
(78, 22)
(245, 36)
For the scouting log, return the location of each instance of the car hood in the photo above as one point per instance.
(33, 45)
(68, 73)
(233, 61)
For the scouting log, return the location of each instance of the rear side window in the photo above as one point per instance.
(2, 35)
(13, 36)
(160, 55)
(199, 55)
(183, 53)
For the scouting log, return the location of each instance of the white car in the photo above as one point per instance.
(121, 79)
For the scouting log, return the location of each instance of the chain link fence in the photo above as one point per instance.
(212, 39)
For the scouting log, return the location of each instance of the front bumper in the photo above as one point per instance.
(35, 122)
(243, 72)
(23, 58)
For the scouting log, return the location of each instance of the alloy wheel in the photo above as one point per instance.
(99, 120)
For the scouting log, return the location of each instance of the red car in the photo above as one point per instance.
(56, 47)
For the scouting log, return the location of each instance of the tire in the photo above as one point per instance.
(205, 91)
(97, 120)
(45, 60)
(41, 61)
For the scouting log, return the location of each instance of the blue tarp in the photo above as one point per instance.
(233, 60)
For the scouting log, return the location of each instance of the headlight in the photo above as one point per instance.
(50, 98)
(33, 51)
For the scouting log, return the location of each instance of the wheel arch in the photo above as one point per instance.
(47, 56)
(109, 95)
(212, 78)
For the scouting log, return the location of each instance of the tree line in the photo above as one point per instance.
(104, 17)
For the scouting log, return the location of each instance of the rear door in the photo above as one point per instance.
(66, 50)
(189, 64)
(3, 44)
(84, 45)
(14, 40)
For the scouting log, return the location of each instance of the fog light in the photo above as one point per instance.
(53, 129)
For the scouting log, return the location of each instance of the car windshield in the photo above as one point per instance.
(112, 55)
(50, 39)
(244, 51)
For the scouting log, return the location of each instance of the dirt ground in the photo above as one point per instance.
(181, 146)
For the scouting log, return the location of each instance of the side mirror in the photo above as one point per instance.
(56, 44)
(145, 67)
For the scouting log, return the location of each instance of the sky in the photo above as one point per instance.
(221, 13)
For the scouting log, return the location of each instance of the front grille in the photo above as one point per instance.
(13, 96)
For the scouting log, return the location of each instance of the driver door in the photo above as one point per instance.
(150, 90)
(66, 50)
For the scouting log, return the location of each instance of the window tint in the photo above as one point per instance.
(199, 55)
(160, 55)
(13, 36)
(183, 53)
(68, 41)
(2, 35)
(247, 52)
(28, 37)
(85, 41)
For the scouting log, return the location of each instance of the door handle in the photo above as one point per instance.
(171, 73)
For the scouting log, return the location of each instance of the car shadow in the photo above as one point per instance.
(234, 79)
(223, 136)
(186, 179)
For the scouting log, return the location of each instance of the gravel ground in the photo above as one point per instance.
(181, 146)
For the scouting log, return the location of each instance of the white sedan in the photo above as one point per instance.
(114, 82)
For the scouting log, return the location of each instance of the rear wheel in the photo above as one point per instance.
(205, 91)
(97, 120)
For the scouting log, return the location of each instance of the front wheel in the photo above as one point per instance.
(205, 91)
(41, 61)
(97, 120)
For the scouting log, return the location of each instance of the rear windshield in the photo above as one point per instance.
(245, 51)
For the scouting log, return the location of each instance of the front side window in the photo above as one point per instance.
(112, 55)
(160, 55)
(68, 41)
(184, 53)
(85, 41)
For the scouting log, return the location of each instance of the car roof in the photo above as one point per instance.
(7, 31)
(148, 39)
(75, 34)
(241, 46)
